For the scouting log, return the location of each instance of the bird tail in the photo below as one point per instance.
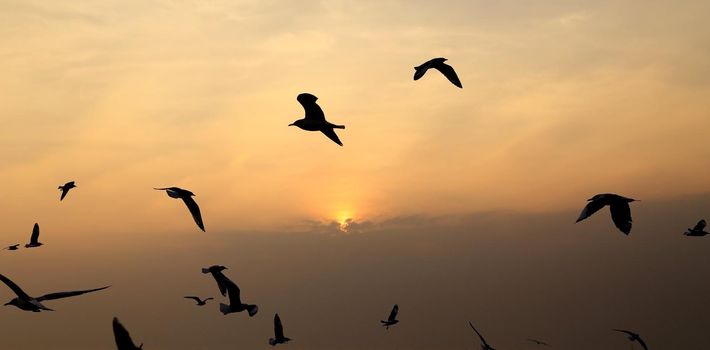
(252, 310)
(224, 308)
(272, 341)
(338, 126)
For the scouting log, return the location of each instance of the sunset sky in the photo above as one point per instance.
(471, 192)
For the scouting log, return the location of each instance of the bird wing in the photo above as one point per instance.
(623, 331)
(123, 338)
(233, 290)
(479, 334)
(195, 211)
(60, 295)
(64, 193)
(643, 344)
(35, 234)
(278, 327)
(700, 225)
(15, 288)
(449, 73)
(193, 298)
(331, 135)
(220, 279)
(591, 208)
(393, 313)
(421, 70)
(313, 110)
(621, 214)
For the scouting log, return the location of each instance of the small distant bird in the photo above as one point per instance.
(28, 303)
(34, 239)
(186, 196)
(123, 338)
(634, 337)
(485, 345)
(618, 205)
(278, 332)
(216, 271)
(65, 189)
(392, 319)
(12, 247)
(200, 302)
(698, 230)
(235, 301)
(315, 119)
(438, 64)
(538, 342)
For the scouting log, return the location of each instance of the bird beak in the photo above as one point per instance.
(6, 304)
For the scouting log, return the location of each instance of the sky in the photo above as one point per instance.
(456, 204)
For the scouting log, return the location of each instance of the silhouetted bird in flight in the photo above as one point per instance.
(200, 302)
(11, 247)
(634, 337)
(216, 271)
(34, 239)
(538, 342)
(484, 344)
(698, 230)
(28, 303)
(618, 205)
(278, 332)
(123, 338)
(315, 119)
(65, 189)
(235, 301)
(392, 319)
(186, 196)
(438, 64)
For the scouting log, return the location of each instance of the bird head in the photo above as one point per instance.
(297, 123)
(12, 302)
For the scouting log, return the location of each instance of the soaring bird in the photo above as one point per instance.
(123, 338)
(634, 337)
(392, 319)
(618, 205)
(11, 247)
(235, 301)
(216, 271)
(438, 64)
(278, 332)
(186, 196)
(484, 345)
(315, 119)
(200, 302)
(65, 189)
(538, 342)
(28, 303)
(34, 239)
(698, 230)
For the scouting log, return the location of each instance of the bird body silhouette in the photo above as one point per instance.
(634, 337)
(11, 247)
(25, 302)
(34, 238)
(279, 337)
(314, 119)
(438, 64)
(484, 344)
(392, 319)
(65, 189)
(198, 301)
(698, 230)
(618, 206)
(538, 342)
(186, 196)
(122, 337)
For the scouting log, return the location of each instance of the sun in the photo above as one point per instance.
(344, 218)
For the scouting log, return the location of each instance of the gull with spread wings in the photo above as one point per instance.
(392, 319)
(186, 196)
(618, 206)
(315, 119)
(279, 337)
(484, 345)
(65, 189)
(25, 302)
(698, 230)
(633, 337)
(34, 239)
(198, 301)
(438, 64)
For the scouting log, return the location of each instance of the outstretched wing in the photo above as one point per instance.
(591, 208)
(393, 313)
(195, 211)
(123, 338)
(627, 332)
(621, 214)
(193, 298)
(332, 135)
(64, 193)
(15, 288)
(61, 295)
(232, 290)
(421, 70)
(313, 110)
(643, 344)
(449, 73)
(479, 334)
(700, 225)
(278, 327)
(35, 234)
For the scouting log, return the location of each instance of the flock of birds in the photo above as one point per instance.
(314, 120)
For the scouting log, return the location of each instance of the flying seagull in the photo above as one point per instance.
(698, 230)
(65, 189)
(199, 301)
(235, 301)
(28, 303)
(438, 64)
(538, 342)
(123, 338)
(634, 337)
(216, 271)
(618, 205)
(34, 239)
(485, 345)
(315, 119)
(11, 247)
(392, 319)
(278, 332)
(186, 196)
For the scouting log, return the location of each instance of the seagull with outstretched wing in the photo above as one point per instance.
(633, 337)
(198, 301)
(392, 319)
(25, 302)
(314, 119)
(279, 337)
(698, 230)
(618, 206)
(484, 345)
(235, 301)
(186, 196)
(538, 342)
(438, 64)
(65, 189)
(34, 238)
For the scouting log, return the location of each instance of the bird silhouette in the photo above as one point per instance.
(315, 119)
(438, 64)
(65, 189)
(484, 344)
(698, 230)
(186, 196)
(200, 302)
(618, 205)
(11, 247)
(278, 332)
(123, 338)
(235, 301)
(34, 238)
(392, 319)
(216, 271)
(538, 342)
(633, 337)
(28, 303)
